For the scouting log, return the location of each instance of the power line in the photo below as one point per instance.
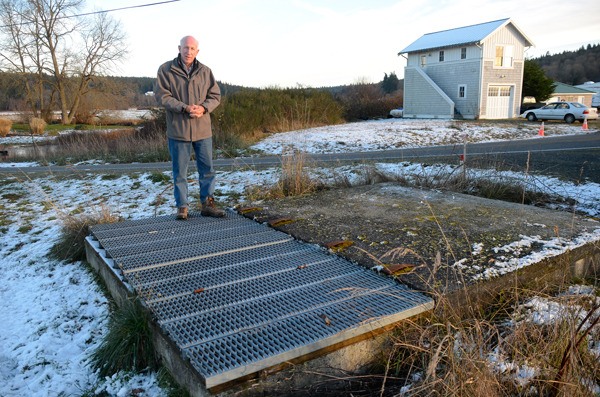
(102, 11)
(120, 9)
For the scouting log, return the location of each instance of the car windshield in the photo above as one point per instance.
(577, 105)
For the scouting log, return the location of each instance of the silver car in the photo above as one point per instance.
(567, 111)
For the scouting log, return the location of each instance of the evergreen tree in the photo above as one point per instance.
(536, 83)
(390, 83)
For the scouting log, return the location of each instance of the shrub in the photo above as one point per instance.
(75, 228)
(37, 126)
(5, 126)
(249, 113)
(128, 344)
(366, 101)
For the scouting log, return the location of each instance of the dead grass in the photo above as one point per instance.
(37, 126)
(5, 126)
(294, 180)
(75, 228)
(469, 347)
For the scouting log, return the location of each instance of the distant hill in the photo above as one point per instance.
(572, 67)
(142, 85)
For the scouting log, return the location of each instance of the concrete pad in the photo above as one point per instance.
(435, 240)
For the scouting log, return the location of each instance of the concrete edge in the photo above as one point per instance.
(319, 348)
(181, 370)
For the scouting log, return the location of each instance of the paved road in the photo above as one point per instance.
(576, 149)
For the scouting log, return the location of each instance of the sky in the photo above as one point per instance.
(309, 43)
(55, 314)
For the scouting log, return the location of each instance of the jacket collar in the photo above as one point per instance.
(195, 65)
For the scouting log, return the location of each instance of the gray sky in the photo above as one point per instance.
(285, 43)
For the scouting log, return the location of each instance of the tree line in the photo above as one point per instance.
(572, 67)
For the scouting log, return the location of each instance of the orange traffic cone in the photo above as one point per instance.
(541, 131)
(584, 126)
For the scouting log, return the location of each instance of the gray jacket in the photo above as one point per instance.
(174, 89)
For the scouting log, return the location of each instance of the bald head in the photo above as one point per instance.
(188, 40)
(188, 49)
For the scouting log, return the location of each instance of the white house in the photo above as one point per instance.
(472, 72)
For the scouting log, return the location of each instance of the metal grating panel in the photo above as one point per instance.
(215, 323)
(227, 294)
(223, 265)
(246, 350)
(169, 227)
(179, 238)
(238, 297)
(222, 270)
(144, 259)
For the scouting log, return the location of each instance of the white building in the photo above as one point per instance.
(470, 72)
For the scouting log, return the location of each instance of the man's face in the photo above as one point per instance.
(188, 50)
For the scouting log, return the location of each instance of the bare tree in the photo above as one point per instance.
(57, 53)
(14, 55)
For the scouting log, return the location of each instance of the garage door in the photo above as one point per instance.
(499, 102)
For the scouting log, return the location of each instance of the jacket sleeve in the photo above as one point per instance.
(213, 95)
(163, 94)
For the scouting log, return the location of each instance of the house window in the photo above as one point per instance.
(441, 56)
(495, 90)
(463, 53)
(462, 91)
(504, 56)
(423, 60)
(504, 91)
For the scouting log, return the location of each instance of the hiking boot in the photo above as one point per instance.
(210, 209)
(182, 213)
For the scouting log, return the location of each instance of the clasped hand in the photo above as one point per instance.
(195, 111)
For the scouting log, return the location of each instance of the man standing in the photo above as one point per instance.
(189, 92)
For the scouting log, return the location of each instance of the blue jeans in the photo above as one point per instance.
(181, 152)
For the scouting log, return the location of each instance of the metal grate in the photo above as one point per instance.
(221, 271)
(192, 303)
(224, 265)
(214, 323)
(136, 261)
(238, 297)
(177, 238)
(168, 227)
(265, 344)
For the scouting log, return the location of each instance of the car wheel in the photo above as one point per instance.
(569, 118)
(531, 117)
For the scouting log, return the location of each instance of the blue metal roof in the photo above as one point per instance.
(458, 36)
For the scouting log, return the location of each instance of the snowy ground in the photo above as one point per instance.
(54, 314)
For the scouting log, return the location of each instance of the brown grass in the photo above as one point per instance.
(294, 180)
(37, 126)
(458, 348)
(75, 228)
(5, 126)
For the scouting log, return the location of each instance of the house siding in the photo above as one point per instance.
(448, 75)
(503, 76)
(423, 99)
(451, 75)
(450, 55)
(585, 99)
(493, 76)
